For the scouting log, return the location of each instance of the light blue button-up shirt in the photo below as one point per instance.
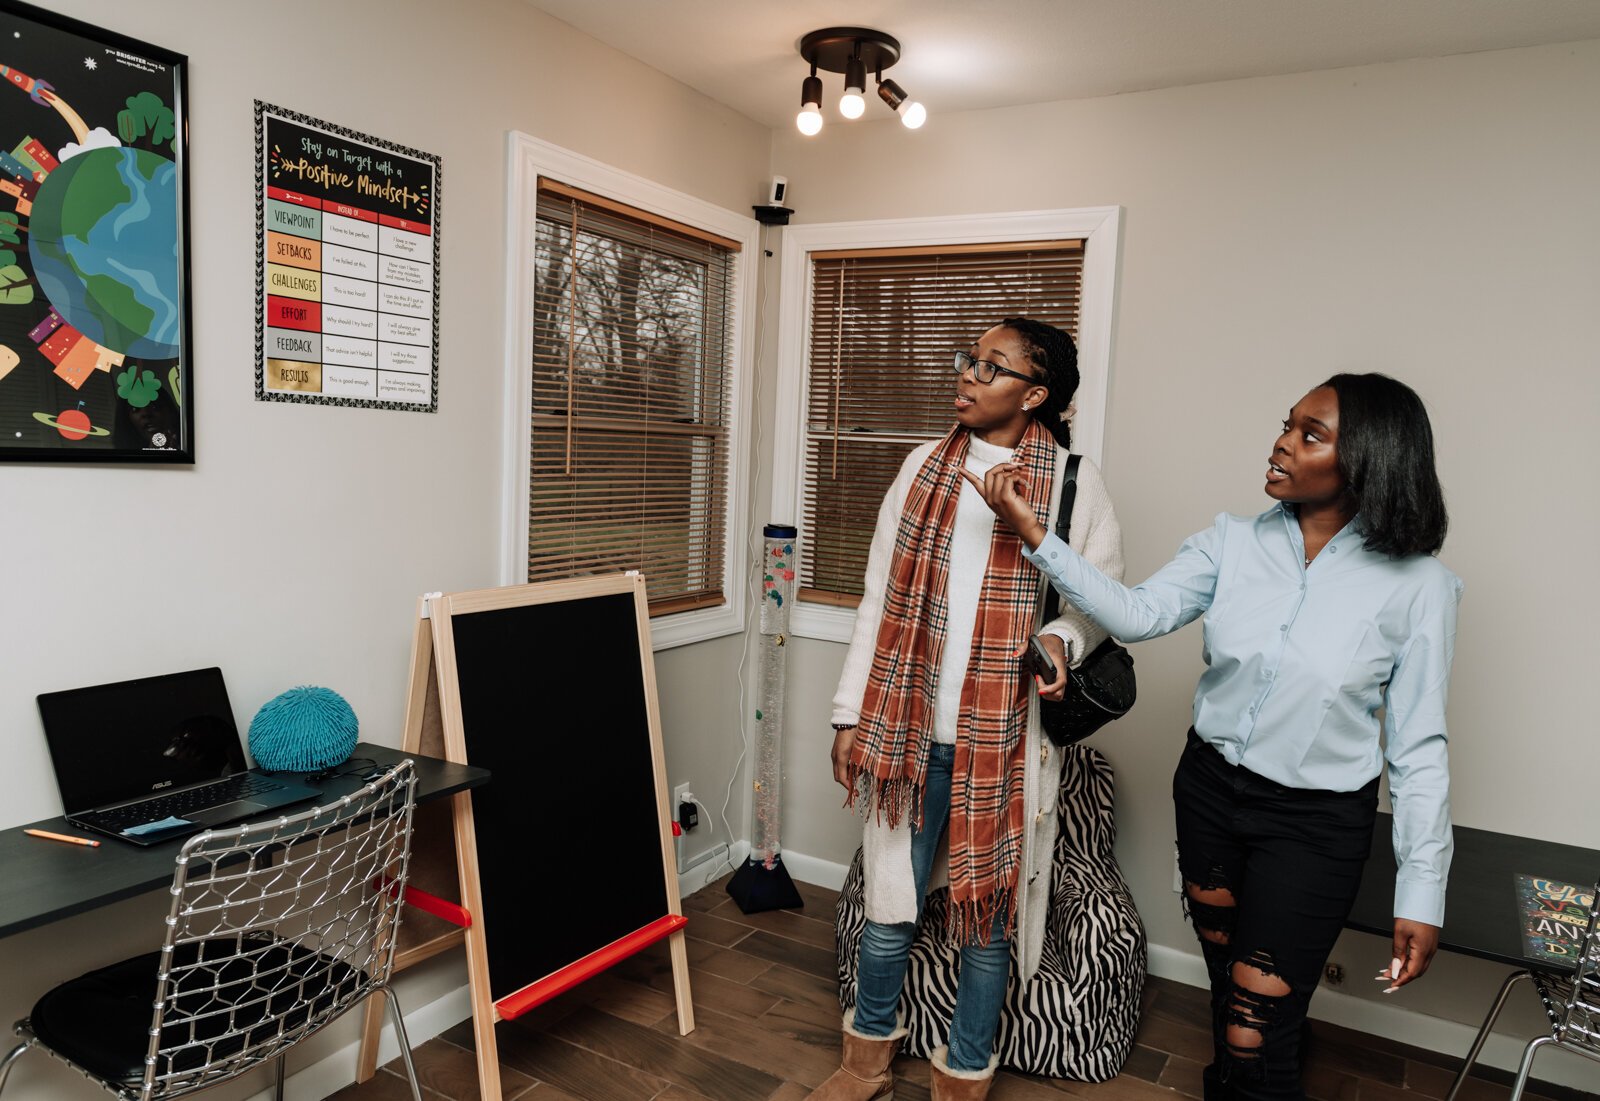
(1298, 661)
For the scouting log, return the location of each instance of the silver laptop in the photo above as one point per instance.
(157, 758)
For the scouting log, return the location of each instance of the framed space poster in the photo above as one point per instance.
(94, 245)
(347, 266)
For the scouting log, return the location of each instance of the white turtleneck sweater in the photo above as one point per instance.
(969, 555)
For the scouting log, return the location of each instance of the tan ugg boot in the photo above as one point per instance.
(865, 1074)
(960, 1085)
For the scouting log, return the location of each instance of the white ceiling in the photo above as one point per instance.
(962, 55)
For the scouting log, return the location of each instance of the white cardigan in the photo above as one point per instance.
(890, 892)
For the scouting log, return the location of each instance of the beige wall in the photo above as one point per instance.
(1433, 219)
(294, 550)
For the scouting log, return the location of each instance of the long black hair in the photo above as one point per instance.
(1053, 352)
(1386, 457)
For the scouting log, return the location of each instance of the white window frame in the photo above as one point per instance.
(529, 158)
(1098, 227)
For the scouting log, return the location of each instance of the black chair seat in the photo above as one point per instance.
(101, 1021)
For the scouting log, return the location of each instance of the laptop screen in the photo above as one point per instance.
(114, 742)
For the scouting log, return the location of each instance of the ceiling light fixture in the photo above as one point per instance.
(853, 51)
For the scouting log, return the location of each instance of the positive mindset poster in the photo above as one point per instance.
(348, 266)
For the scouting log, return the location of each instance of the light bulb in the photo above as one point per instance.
(809, 120)
(912, 114)
(851, 105)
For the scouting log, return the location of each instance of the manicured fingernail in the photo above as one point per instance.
(1394, 967)
(1391, 990)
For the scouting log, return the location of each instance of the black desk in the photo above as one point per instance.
(42, 881)
(1480, 912)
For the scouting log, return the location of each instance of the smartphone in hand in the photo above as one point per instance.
(1038, 660)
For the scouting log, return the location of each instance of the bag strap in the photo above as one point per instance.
(1069, 493)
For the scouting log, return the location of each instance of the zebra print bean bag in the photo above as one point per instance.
(1078, 1016)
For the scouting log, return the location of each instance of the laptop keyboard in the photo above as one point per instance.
(242, 786)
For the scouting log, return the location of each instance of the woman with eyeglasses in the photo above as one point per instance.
(1319, 612)
(934, 736)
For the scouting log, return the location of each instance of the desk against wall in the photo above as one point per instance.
(1481, 916)
(45, 880)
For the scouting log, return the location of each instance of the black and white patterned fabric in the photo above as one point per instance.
(1077, 1018)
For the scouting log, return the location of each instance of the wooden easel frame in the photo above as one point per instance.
(433, 726)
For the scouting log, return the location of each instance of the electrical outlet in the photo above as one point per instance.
(679, 842)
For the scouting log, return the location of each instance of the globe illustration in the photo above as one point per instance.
(103, 238)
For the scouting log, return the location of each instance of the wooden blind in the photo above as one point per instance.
(883, 326)
(632, 319)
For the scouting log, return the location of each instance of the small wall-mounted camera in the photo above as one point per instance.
(774, 212)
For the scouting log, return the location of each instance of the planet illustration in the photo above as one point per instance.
(103, 238)
(74, 424)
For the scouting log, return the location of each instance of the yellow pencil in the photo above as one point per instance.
(62, 837)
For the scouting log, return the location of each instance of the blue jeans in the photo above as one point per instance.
(981, 982)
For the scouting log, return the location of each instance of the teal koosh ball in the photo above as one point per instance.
(305, 729)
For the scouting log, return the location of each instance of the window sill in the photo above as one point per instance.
(684, 628)
(822, 621)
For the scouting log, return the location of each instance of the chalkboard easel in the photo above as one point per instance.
(563, 865)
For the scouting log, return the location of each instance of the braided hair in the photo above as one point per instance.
(1052, 351)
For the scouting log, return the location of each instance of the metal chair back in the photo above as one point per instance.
(274, 930)
(1577, 1023)
(1571, 1001)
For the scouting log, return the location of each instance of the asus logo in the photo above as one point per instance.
(162, 784)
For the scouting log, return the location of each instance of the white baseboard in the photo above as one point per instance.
(710, 866)
(809, 869)
(334, 1072)
(1396, 1023)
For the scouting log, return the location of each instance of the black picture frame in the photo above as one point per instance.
(96, 342)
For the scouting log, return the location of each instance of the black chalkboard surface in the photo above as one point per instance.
(569, 833)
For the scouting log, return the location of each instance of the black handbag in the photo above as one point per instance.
(1102, 687)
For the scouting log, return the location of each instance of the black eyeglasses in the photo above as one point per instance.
(984, 371)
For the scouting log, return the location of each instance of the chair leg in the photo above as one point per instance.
(1527, 1064)
(405, 1044)
(1483, 1033)
(11, 1057)
(277, 1077)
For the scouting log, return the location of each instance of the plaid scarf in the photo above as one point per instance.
(888, 765)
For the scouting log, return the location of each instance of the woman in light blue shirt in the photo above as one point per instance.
(1319, 612)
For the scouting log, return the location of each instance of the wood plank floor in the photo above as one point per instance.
(767, 1016)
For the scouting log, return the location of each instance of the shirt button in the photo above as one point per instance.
(1283, 626)
(1333, 550)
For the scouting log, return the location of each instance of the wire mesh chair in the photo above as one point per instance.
(1571, 1001)
(275, 929)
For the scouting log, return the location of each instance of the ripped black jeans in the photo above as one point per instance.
(1270, 873)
